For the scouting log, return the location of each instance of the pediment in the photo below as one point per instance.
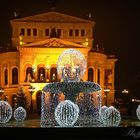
(52, 17)
(54, 43)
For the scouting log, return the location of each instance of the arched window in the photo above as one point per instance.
(29, 74)
(90, 74)
(14, 76)
(41, 74)
(98, 79)
(5, 77)
(53, 75)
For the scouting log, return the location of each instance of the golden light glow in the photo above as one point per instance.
(86, 42)
(21, 40)
(38, 86)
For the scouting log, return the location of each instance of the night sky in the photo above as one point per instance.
(117, 29)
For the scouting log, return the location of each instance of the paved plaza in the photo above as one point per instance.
(34, 122)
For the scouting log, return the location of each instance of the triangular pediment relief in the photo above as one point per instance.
(54, 42)
(52, 17)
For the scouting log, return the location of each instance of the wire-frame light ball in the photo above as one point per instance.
(138, 112)
(66, 113)
(111, 117)
(5, 112)
(103, 109)
(20, 114)
(71, 65)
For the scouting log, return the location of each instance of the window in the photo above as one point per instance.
(15, 76)
(70, 32)
(22, 31)
(59, 32)
(5, 77)
(53, 75)
(82, 32)
(47, 33)
(28, 32)
(35, 32)
(76, 32)
(29, 74)
(41, 74)
(90, 74)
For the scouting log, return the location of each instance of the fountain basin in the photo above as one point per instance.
(87, 95)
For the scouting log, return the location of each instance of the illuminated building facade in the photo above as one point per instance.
(39, 40)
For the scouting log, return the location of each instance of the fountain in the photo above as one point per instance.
(71, 102)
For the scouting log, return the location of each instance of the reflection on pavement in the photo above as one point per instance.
(35, 123)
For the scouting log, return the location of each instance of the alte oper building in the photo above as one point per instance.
(39, 40)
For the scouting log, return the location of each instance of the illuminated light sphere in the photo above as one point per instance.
(138, 112)
(5, 112)
(71, 65)
(111, 117)
(103, 109)
(66, 113)
(20, 114)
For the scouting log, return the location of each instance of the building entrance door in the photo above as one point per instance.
(38, 101)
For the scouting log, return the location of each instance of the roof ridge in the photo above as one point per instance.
(51, 16)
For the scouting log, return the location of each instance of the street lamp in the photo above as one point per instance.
(31, 91)
(1, 92)
(106, 91)
(125, 91)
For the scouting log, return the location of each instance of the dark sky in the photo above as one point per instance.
(117, 29)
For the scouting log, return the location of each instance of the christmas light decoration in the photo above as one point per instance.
(20, 114)
(66, 113)
(138, 112)
(5, 112)
(111, 117)
(85, 95)
(71, 65)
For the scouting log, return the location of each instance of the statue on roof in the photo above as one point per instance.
(54, 33)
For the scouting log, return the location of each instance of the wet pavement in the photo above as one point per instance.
(34, 122)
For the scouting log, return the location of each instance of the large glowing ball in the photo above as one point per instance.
(66, 113)
(103, 109)
(5, 112)
(20, 114)
(71, 65)
(111, 117)
(138, 112)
